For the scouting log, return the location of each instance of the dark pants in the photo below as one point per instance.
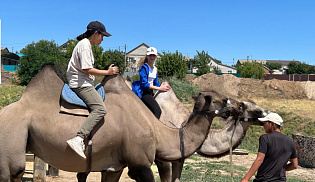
(150, 102)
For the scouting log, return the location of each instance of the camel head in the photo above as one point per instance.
(244, 115)
(213, 104)
(250, 112)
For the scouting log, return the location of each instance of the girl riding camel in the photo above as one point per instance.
(80, 74)
(149, 82)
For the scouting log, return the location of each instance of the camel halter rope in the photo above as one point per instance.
(231, 140)
(234, 127)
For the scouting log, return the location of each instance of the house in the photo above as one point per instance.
(224, 68)
(134, 57)
(9, 60)
(282, 70)
(284, 64)
(214, 64)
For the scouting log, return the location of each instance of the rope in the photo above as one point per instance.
(231, 146)
(182, 146)
(231, 162)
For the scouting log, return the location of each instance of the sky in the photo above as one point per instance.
(228, 30)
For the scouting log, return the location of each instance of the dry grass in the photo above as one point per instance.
(302, 108)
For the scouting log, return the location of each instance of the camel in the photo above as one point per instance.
(129, 136)
(217, 142)
(174, 114)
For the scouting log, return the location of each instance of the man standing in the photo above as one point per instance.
(275, 150)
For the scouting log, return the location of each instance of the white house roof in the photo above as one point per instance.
(140, 50)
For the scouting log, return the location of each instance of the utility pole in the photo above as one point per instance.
(125, 58)
(0, 53)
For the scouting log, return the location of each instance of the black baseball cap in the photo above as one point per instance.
(98, 26)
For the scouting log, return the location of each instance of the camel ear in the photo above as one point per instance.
(242, 105)
(195, 97)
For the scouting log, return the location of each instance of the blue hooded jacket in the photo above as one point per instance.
(139, 86)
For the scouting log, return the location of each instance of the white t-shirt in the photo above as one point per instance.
(82, 58)
(152, 74)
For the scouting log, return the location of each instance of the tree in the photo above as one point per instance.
(300, 68)
(111, 57)
(172, 64)
(251, 70)
(215, 69)
(274, 66)
(35, 55)
(202, 60)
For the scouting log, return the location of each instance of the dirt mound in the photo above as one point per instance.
(234, 87)
(274, 88)
(226, 84)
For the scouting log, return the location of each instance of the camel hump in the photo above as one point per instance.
(115, 83)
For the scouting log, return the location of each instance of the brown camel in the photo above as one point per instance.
(174, 114)
(129, 136)
(217, 142)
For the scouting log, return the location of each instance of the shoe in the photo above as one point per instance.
(77, 145)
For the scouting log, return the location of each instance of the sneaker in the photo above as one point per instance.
(77, 145)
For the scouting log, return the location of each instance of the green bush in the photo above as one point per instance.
(184, 90)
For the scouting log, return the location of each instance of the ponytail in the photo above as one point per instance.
(142, 61)
(86, 34)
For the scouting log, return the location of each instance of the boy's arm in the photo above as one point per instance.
(256, 164)
(292, 165)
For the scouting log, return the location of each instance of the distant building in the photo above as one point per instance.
(216, 64)
(134, 57)
(9, 60)
(224, 68)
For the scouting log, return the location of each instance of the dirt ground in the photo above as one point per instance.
(240, 160)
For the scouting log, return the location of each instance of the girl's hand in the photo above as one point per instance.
(113, 70)
(164, 87)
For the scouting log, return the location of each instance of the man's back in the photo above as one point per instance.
(278, 149)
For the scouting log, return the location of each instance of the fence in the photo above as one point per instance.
(39, 168)
(291, 77)
(10, 67)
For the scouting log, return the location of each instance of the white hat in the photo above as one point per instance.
(151, 50)
(273, 117)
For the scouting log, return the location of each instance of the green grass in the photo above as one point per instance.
(215, 171)
(10, 94)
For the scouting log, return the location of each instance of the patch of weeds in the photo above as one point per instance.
(10, 94)
(184, 90)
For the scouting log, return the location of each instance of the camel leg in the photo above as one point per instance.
(177, 168)
(82, 176)
(12, 156)
(111, 176)
(141, 173)
(12, 167)
(164, 170)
